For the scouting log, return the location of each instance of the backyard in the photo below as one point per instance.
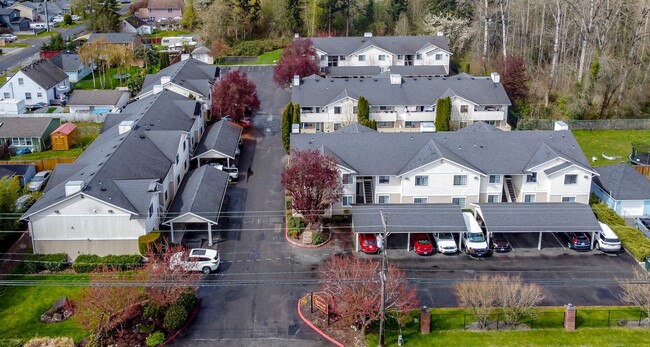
(267, 58)
(87, 133)
(613, 143)
(111, 81)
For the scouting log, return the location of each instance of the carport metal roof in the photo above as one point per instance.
(408, 218)
(538, 217)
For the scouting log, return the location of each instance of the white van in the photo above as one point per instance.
(38, 26)
(607, 240)
(474, 241)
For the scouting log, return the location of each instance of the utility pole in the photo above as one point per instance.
(47, 19)
(382, 276)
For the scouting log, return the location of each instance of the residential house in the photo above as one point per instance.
(383, 52)
(135, 24)
(203, 54)
(71, 64)
(39, 82)
(97, 101)
(10, 18)
(105, 200)
(398, 103)
(27, 9)
(23, 172)
(31, 134)
(476, 164)
(162, 9)
(129, 40)
(623, 189)
(35, 11)
(187, 77)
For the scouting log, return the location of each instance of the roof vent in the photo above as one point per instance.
(395, 79)
(165, 79)
(496, 78)
(560, 125)
(103, 189)
(296, 80)
(367, 34)
(142, 136)
(125, 126)
(72, 187)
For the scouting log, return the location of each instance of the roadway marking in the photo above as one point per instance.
(558, 240)
(510, 243)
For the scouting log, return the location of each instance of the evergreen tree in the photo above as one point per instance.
(296, 114)
(164, 60)
(396, 7)
(286, 126)
(189, 18)
(363, 112)
(443, 114)
(294, 12)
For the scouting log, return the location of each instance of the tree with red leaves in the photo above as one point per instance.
(313, 181)
(513, 76)
(167, 283)
(235, 96)
(300, 59)
(354, 286)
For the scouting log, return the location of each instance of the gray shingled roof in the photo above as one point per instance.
(44, 73)
(95, 97)
(122, 38)
(315, 91)
(492, 152)
(623, 182)
(407, 45)
(356, 128)
(419, 70)
(14, 169)
(190, 73)
(201, 193)
(353, 71)
(107, 167)
(408, 218)
(135, 21)
(222, 136)
(24, 127)
(539, 217)
(67, 61)
(479, 127)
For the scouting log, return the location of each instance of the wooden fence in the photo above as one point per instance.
(643, 169)
(41, 164)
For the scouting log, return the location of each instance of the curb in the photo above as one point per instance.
(187, 324)
(298, 244)
(311, 325)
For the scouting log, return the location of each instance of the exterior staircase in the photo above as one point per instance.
(510, 190)
(367, 191)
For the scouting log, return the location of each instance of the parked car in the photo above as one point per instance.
(446, 243)
(57, 19)
(643, 224)
(422, 244)
(499, 243)
(233, 172)
(75, 17)
(368, 243)
(577, 241)
(244, 122)
(608, 241)
(197, 259)
(9, 37)
(37, 105)
(24, 202)
(475, 245)
(39, 181)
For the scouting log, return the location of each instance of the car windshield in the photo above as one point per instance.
(611, 240)
(423, 241)
(370, 242)
(38, 178)
(646, 222)
(582, 238)
(476, 237)
(445, 236)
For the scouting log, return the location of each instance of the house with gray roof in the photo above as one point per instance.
(10, 18)
(220, 143)
(458, 167)
(623, 189)
(27, 134)
(100, 101)
(399, 103)
(385, 52)
(123, 184)
(23, 172)
(187, 77)
(129, 40)
(137, 25)
(39, 82)
(71, 64)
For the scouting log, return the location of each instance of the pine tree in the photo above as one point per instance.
(286, 126)
(363, 111)
(443, 114)
(296, 114)
(164, 60)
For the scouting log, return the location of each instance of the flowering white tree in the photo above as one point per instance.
(458, 31)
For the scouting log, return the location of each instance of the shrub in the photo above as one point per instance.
(146, 241)
(155, 339)
(67, 19)
(296, 225)
(90, 262)
(607, 215)
(175, 317)
(257, 47)
(50, 342)
(633, 240)
(151, 311)
(38, 262)
(187, 300)
(317, 238)
(340, 219)
(86, 263)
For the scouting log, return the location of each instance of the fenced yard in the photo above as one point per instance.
(613, 143)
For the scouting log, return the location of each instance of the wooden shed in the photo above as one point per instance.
(64, 137)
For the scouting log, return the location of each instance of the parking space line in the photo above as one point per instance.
(558, 241)
(505, 237)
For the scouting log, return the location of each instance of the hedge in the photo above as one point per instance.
(91, 262)
(607, 215)
(296, 226)
(38, 262)
(257, 47)
(146, 241)
(175, 317)
(633, 240)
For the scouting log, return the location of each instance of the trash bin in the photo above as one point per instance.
(647, 264)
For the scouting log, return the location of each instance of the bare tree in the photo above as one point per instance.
(517, 299)
(636, 291)
(479, 296)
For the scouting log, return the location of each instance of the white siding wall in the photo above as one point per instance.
(441, 182)
(632, 208)
(16, 91)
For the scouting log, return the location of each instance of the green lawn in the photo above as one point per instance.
(168, 33)
(3, 80)
(16, 45)
(73, 25)
(87, 133)
(21, 307)
(266, 58)
(43, 34)
(87, 82)
(613, 143)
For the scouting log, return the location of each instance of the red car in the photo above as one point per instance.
(422, 244)
(244, 122)
(368, 243)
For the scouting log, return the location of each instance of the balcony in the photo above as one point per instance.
(488, 115)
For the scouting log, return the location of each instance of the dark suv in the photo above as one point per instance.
(578, 241)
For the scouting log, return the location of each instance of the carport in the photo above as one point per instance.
(197, 202)
(406, 219)
(220, 141)
(539, 217)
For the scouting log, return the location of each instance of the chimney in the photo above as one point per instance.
(367, 34)
(296, 80)
(395, 79)
(440, 33)
(496, 78)
(296, 35)
(158, 89)
(560, 125)
(126, 125)
(72, 187)
(165, 79)
(185, 57)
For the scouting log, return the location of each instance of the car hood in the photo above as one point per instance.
(446, 243)
(477, 245)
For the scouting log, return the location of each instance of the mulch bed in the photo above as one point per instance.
(338, 329)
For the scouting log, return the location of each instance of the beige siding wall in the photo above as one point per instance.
(75, 248)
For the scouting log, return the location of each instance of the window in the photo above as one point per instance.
(184, 145)
(323, 57)
(355, 110)
(185, 165)
(21, 82)
(531, 177)
(28, 96)
(420, 200)
(337, 126)
(169, 10)
(39, 95)
(307, 125)
(463, 108)
(382, 57)
(150, 210)
(347, 200)
(493, 198)
(347, 179)
(178, 180)
(438, 56)
(362, 58)
(529, 197)
(28, 141)
(384, 179)
(495, 178)
(460, 180)
(337, 109)
(165, 195)
(384, 199)
(400, 57)
(176, 159)
(385, 125)
(568, 199)
(418, 56)
(342, 57)
(7, 96)
(409, 124)
(570, 179)
(458, 201)
(421, 180)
